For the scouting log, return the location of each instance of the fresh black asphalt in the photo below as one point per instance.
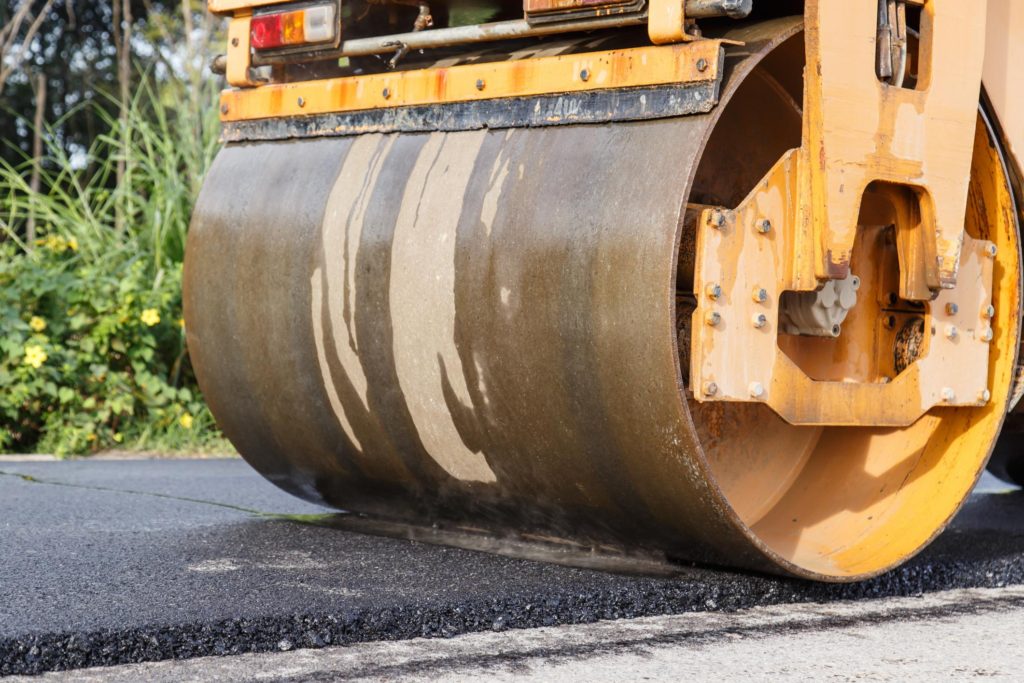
(127, 561)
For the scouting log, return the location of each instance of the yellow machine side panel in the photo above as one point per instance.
(1004, 77)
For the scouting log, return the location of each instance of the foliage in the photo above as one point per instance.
(75, 50)
(92, 344)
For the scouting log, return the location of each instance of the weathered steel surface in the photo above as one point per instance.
(633, 104)
(471, 326)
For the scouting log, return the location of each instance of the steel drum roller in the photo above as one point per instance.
(480, 328)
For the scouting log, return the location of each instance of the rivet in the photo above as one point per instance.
(760, 295)
(948, 395)
(992, 250)
(585, 75)
(710, 388)
(714, 291)
(759, 320)
(702, 65)
(952, 308)
(990, 312)
(480, 84)
(984, 396)
(756, 389)
(952, 332)
(987, 335)
(713, 319)
(386, 93)
(224, 109)
(764, 227)
(302, 102)
(234, 42)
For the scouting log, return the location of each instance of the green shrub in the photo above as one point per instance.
(92, 343)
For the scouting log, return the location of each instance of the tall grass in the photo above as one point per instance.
(166, 148)
(92, 345)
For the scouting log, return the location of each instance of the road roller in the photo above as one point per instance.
(728, 282)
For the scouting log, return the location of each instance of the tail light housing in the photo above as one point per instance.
(311, 26)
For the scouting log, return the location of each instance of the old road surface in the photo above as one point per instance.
(153, 570)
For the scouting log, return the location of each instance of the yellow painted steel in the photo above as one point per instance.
(229, 6)
(1004, 77)
(666, 22)
(239, 52)
(694, 62)
(859, 130)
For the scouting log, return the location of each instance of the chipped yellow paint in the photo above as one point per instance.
(634, 67)
(736, 355)
(666, 22)
(239, 52)
(229, 6)
(858, 130)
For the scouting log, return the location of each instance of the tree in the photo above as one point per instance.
(90, 51)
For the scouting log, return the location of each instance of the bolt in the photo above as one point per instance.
(987, 335)
(760, 320)
(764, 227)
(224, 109)
(702, 65)
(713, 319)
(984, 396)
(760, 295)
(480, 84)
(952, 308)
(585, 75)
(948, 395)
(234, 42)
(890, 322)
(756, 390)
(302, 102)
(990, 312)
(710, 388)
(386, 93)
(952, 332)
(716, 219)
(714, 291)
(991, 250)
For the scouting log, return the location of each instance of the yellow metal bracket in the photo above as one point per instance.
(239, 72)
(745, 257)
(866, 145)
(666, 22)
(859, 130)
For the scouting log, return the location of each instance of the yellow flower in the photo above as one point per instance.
(91, 438)
(73, 243)
(119, 437)
(37, 324)
(186, 421)
(35, 356)
(57, 243)
(181, 323)
(150, 317)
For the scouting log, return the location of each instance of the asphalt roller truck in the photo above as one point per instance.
(734, 282)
